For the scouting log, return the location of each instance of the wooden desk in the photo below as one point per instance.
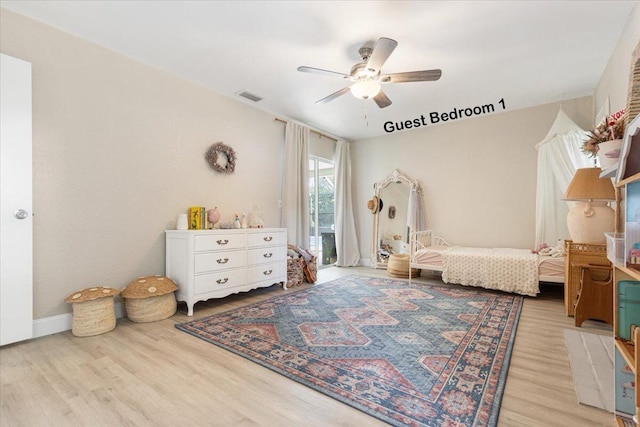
(577, 254)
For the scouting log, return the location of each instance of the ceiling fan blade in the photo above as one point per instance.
(382, 99)
(325, 72)
(381, 52)
(411, 76)
(333, 96)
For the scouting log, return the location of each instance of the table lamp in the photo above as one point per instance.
(591, 217)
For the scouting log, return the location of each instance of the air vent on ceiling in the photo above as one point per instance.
(250, 96)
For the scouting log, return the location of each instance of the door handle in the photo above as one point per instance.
(21, 214)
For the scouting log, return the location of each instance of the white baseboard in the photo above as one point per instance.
(63, 322)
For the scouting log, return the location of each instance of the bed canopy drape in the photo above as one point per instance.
(559, 155)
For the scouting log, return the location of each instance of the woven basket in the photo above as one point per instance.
(93, 317)
(93, 311)
(398, 266)
(151, 309)
(150, 298)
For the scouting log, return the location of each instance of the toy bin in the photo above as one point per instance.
(615, 247)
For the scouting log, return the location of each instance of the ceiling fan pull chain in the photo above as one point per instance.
(366, 119)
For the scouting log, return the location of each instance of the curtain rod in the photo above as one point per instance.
(310, 130)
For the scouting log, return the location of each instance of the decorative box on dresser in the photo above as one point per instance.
(622, 249)
(209, 264)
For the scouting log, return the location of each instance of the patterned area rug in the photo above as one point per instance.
(417, 355)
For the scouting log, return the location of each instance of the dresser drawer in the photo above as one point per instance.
(266, 255)
(220, 241)
(218, 281)
(271, 272)
(216, 261)
(267, 238)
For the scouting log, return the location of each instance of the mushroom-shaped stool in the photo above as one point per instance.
(93, 311)
(150, 298)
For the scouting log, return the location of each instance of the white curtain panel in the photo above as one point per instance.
(559, 156)
(346, 238)
(295, 184)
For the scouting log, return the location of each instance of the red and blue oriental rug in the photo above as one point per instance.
(416, 355)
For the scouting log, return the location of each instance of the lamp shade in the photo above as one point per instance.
(588, 221)
(587, 185)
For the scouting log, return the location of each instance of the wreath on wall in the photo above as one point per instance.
(221, 158)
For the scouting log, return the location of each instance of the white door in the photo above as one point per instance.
(16, 244)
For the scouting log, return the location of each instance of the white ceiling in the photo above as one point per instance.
(525, 52)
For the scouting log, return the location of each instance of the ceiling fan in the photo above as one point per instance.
(366, 76)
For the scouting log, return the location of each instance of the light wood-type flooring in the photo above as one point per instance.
(151, 374)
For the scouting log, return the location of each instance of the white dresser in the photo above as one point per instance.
(215, 263)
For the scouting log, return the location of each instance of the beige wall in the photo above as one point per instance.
(478, 175)
(118, 152)
(614, 82)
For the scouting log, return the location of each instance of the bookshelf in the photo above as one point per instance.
(626, 298)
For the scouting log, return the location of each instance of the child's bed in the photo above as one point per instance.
(509, 270)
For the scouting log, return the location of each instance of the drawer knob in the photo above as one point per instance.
(222, 242)
(267, 272)
(268, 239)
(222, 260)
(269, 255)
(222, 281)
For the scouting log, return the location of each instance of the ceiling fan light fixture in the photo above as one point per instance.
(365, 89)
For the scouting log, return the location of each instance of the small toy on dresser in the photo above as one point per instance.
(213, 217)
(256, 218)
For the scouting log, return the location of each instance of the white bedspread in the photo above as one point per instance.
(509, 270)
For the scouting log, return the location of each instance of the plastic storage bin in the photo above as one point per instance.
(615, 247)
(628, 307)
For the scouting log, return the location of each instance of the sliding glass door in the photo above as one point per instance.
(322, 206)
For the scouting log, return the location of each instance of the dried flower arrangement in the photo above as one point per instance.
(608, 130)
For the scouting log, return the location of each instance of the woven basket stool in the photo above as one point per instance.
(93, 311)
(150, 298)
(398, 266)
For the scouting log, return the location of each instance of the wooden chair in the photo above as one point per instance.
(595, 296)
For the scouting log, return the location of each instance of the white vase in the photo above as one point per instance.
(609, 153)
(182, 223)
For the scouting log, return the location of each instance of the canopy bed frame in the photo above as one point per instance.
(510, 270)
